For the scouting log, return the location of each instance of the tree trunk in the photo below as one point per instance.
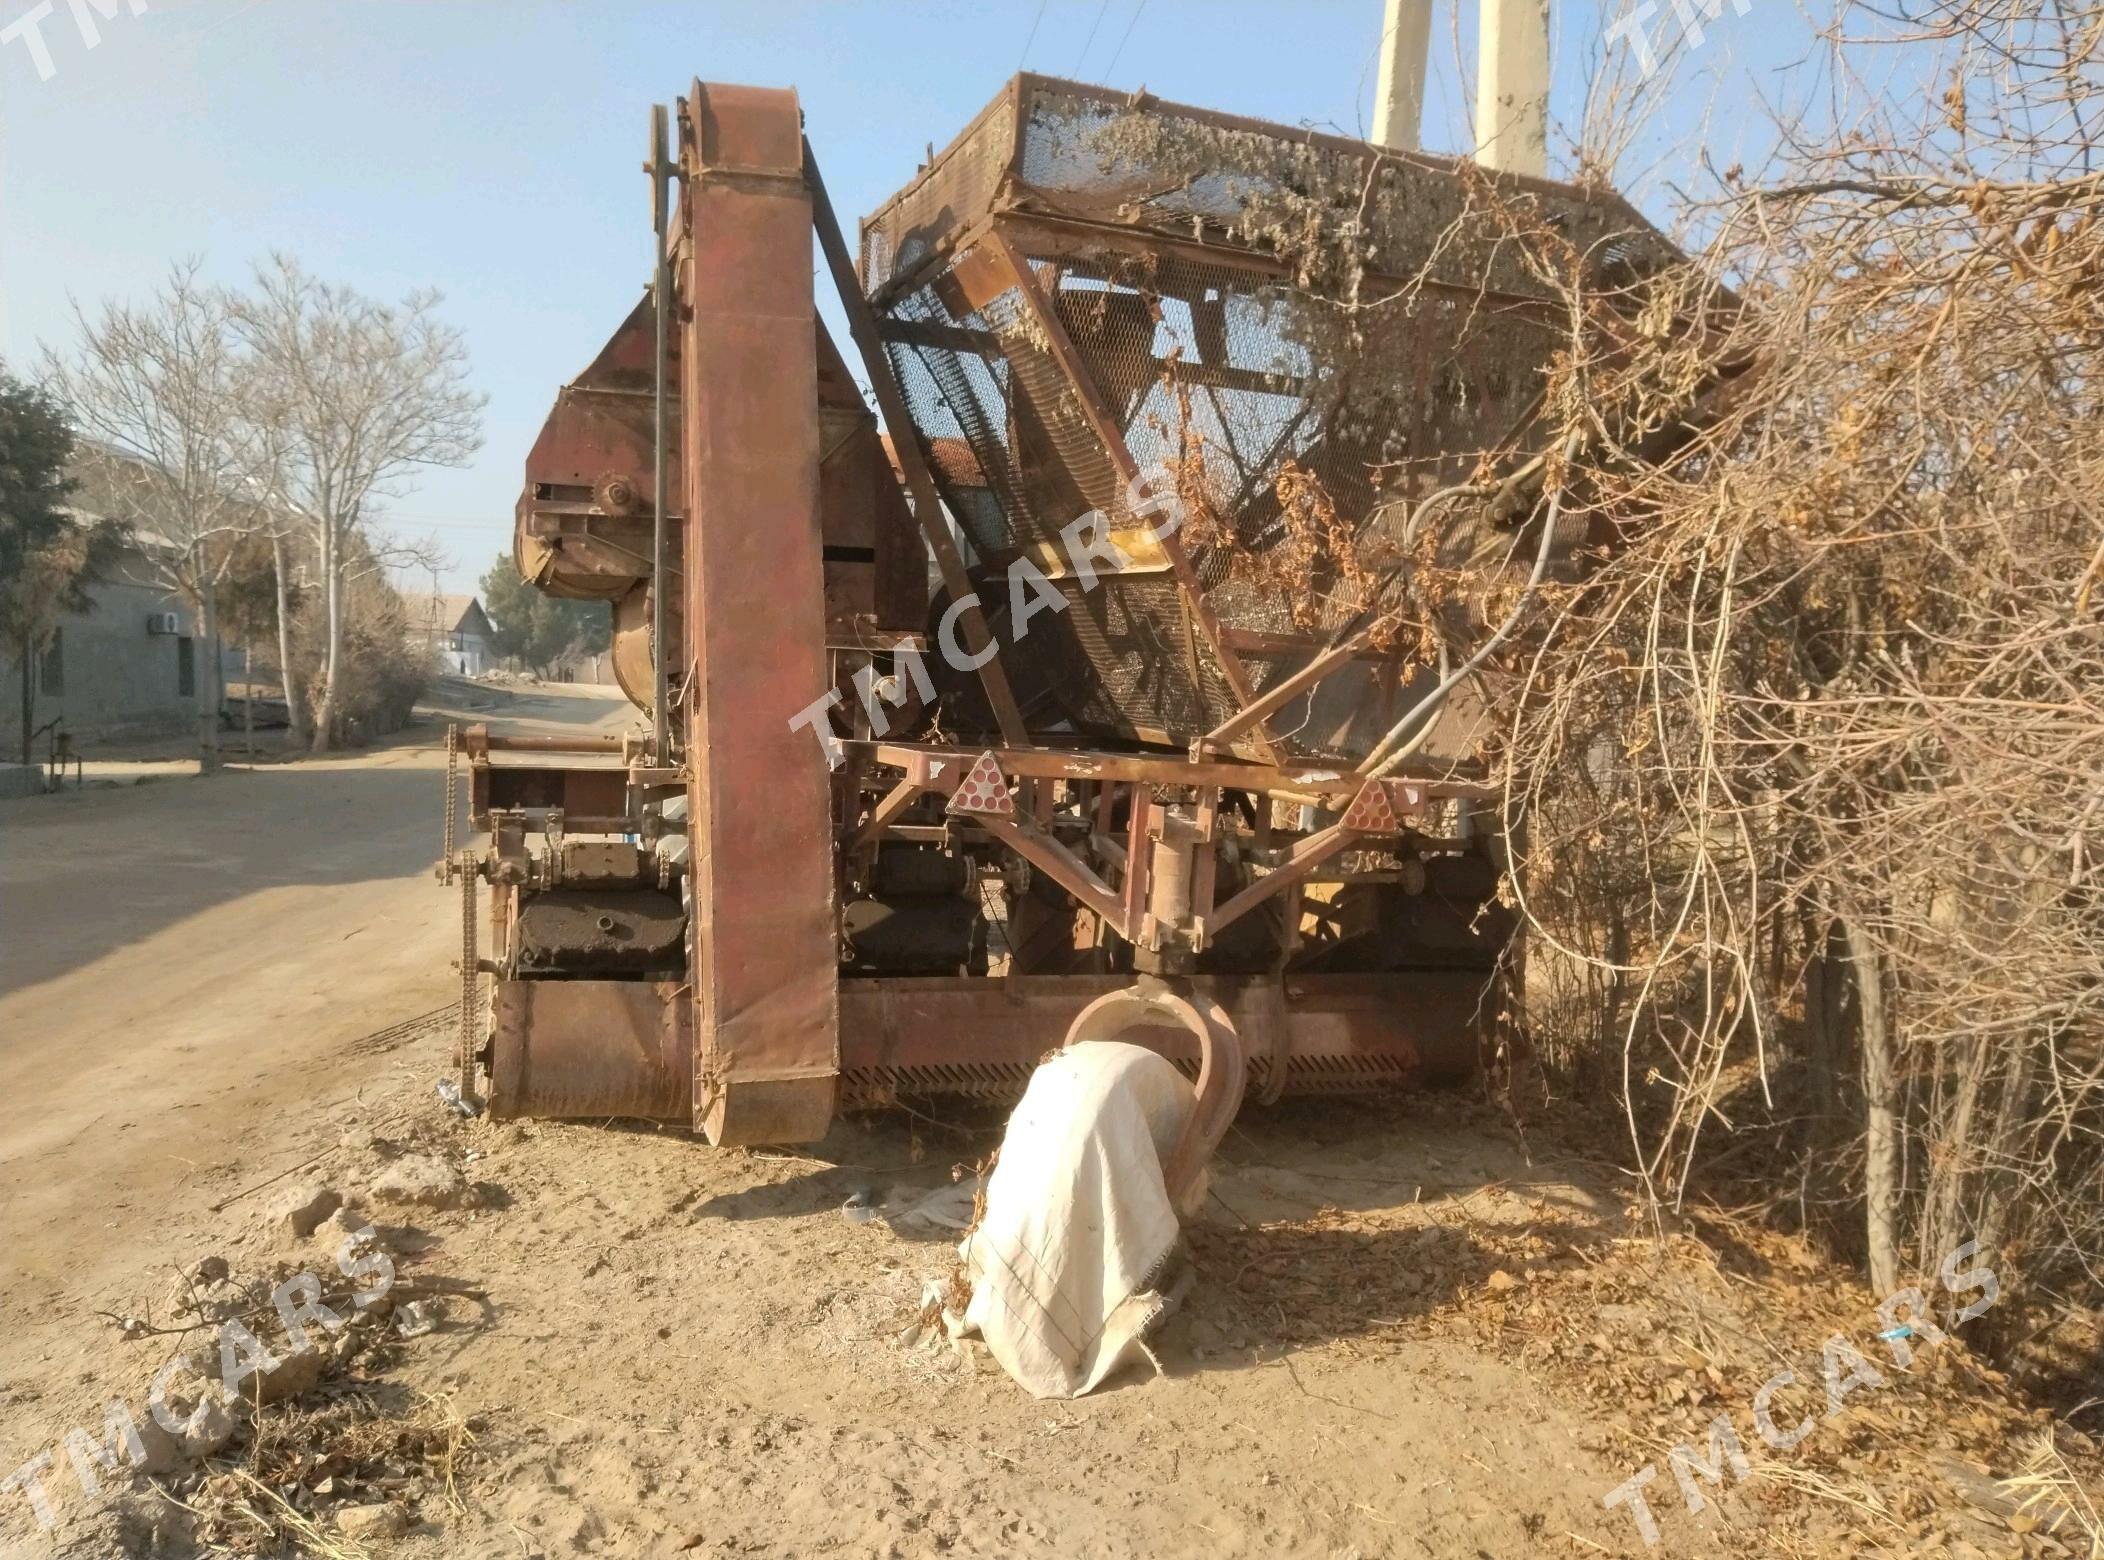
(332, 645)
(211, 688)
(29, 697)
(295, 712)
(1881, 1145)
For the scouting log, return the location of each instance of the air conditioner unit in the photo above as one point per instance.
(163, 623)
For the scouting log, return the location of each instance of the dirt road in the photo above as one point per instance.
(1409, 1337)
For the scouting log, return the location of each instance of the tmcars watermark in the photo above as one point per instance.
(367, 1270)
(1089, 552)
(1633, 27)
(28, 28)
(1843, 1369)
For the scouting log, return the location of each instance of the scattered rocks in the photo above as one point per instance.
(194, 1402)
(202, 1429)
(382, 1519)
(299, 1210)
(295, 1373)
(425, 1181)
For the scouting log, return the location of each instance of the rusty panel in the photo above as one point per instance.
(764, 981)
(583, 521)
(591, 1048)
(592, 800)
(876, 563)
(983, 1037)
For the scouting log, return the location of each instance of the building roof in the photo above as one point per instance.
(952, 458)
(444, 614)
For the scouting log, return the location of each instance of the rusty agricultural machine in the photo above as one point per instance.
(1114, 749)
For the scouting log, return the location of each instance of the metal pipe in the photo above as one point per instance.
(660, 559)
(527, 742)
(1386, 756)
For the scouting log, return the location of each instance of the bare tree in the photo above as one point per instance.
(1809, 763)
(1801, 748)
(159, 384)
(362, 394)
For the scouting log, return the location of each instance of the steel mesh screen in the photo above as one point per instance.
(1258, 382)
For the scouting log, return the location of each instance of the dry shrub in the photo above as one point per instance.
(1808, 770)
(383, 670)
(1803, 755)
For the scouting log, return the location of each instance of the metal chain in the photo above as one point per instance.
(452, 790)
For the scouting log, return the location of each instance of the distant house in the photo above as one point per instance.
(977, 512)
(135, 665)
(454, 628)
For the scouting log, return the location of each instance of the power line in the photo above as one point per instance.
(1113, 65)
(1024, 58)
(1091, 38)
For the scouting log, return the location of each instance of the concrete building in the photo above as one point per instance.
(133, 667)
(456, 630)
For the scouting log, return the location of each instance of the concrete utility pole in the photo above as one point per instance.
(1512, 86)
(1399, 99)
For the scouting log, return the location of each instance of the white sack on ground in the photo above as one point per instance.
(1078, 1225)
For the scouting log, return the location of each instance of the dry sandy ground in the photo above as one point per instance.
(1409, 1337)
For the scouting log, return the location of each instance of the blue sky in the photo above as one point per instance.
(492, 148)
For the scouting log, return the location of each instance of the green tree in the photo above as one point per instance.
(47, 558)
(537, 629)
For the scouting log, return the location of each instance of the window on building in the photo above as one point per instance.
(51, 676)
(186, 668)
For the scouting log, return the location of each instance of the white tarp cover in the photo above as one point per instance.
(1078, 1222)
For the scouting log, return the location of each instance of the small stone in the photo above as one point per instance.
(1501, 1281)
(383, 1519)
(299, 1210)
(422, 1179)
(298, 1372)
(161, 1450)
(207, 1429)
(346, 1224)
(202, 1427)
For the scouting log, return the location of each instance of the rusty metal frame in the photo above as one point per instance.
(1298, 867)
(1112, 437)
(1044, 851)
(1013, 195)
(1296, 777)
(1287, 690)
(754, 1050)
(913, 461)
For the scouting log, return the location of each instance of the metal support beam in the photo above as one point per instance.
(905, 439)
(1305, 857)
(1061, 865)
(1112, 436)
(1277, 698)
(894, 802)
(661, 169)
